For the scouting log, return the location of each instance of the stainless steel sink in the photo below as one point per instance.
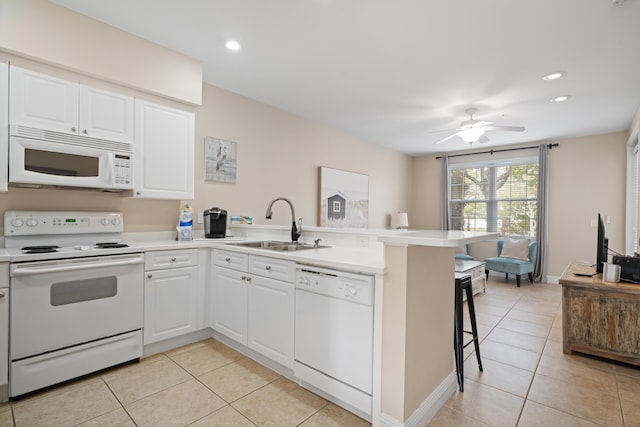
(274, 245)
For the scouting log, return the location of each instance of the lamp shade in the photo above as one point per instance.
(399, 220)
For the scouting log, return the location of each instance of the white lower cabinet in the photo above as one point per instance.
(170, 294)
(252, 302)
(229, 303)
(271, 319)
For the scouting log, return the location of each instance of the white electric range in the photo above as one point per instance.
(76, 296)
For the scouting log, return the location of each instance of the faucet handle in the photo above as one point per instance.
(316, 243)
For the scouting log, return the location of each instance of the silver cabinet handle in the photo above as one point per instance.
(227, 259)
(85, 132)
(248, 278)
(268, 268)
(173, 259)
(149, 276)
(73, 129)
(244, 278)
(1, 294)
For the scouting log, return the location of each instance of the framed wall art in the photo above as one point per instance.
(344, 198)
(220, 157)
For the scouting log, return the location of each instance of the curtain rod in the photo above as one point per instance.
(550, 146)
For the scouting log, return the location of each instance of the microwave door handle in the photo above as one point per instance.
(25, 271)
(110, 168)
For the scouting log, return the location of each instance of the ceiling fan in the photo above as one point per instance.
(473, 130)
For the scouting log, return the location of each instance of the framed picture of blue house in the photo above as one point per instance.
(344, 198)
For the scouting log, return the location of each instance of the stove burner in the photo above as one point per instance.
(40, 249)
(111, 245)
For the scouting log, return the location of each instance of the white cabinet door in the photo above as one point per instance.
(105, 114)
(229, 303)
(46, 102)
(171, 299)
(4, 126)
(164, 146)
(271, 319)
(42, 101)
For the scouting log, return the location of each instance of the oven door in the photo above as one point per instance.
(32, 161)
(57, 304)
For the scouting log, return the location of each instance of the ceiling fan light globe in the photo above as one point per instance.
(471, 135)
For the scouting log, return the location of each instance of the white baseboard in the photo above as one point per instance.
(428, 408)
(553, 280)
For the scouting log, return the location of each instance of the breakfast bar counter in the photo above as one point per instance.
(417, 368)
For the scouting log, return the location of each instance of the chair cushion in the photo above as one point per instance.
(508, 265)
(515, 248)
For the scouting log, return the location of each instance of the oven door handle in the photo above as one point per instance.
(25, 271)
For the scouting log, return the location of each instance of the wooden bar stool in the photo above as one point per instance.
(463, 284)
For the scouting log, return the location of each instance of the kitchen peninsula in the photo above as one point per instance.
(417, 372)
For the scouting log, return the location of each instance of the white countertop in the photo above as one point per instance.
(368, 259)
(361, 260)
(438, 238)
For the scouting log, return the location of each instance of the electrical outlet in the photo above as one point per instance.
(594, 223)
(607, 219)
(200, 217)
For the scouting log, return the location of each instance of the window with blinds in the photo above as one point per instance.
(500, 198)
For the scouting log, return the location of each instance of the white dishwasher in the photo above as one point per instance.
(334, 334)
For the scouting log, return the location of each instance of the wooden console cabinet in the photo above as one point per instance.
(600, 318)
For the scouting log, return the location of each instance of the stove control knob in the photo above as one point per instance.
(32, 222)
(17, 222)
(104, 221)
(115, 220)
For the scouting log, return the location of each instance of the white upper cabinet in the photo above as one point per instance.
(4, 126)
(164, 151)
(42, 101)
(46, 102)
(105, 114)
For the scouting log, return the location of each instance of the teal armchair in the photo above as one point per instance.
(512, 265)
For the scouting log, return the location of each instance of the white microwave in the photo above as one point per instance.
(47, 158)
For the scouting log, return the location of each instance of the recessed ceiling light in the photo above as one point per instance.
(560, 98)
(232, 45)
(554, 76)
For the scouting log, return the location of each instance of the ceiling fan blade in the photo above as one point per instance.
(444, 130)
(508, 128)
(482, 139)
(446, 138)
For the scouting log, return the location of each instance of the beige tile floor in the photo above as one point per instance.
(527, 381)
(202, 384)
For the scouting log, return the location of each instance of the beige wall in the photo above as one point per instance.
(41, 30)
(587, 176)
(278, 153)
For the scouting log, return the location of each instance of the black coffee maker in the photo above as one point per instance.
(215, 223)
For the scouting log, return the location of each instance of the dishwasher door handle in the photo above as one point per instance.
(26, 271)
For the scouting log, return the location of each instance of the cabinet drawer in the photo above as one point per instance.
(273, 268)
(230, 259)
(155, 260)
(477, 272)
